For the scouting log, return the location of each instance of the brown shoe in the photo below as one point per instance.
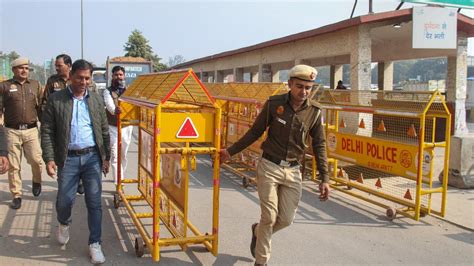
(254, 240)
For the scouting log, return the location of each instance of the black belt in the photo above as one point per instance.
(81, 152)
(277, 161)
(22, 126)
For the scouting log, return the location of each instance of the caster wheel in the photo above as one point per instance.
(391, 213)
(116, 201)
(245, 182)
(139, 247)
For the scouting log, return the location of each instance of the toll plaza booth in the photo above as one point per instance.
(241, 103)
(386, 149)
(174, 112)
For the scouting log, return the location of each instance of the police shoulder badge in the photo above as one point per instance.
(280, 109)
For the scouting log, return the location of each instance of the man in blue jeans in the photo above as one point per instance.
(76, 146)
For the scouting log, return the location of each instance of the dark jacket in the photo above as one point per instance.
(56, 126)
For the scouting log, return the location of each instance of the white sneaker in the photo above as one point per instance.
(62, 235)
(97, 257)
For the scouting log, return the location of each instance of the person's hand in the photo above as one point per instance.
(118, 110)
(4, 164)
(225, 156)
(324, 191)
(106, 167)
(51, 169)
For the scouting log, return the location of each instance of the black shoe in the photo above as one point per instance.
(254, 240)
(16, 203)
(80, 188)
(36, 189)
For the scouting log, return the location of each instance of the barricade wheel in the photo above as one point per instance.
(391, 213)
(245, 182)
(139, 247)
(116, 200)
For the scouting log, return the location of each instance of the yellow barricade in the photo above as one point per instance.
(385, 144)
(241, 103)
(174, 111)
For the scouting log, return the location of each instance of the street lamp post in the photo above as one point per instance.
(82, 34)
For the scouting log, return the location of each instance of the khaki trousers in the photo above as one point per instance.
(18, 141)
(279, 190)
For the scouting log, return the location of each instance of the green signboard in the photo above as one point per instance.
(452, 3)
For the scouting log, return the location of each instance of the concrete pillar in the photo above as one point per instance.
(254, 76)
(264, 73)
(219, 76)
(204, 76)
(238, 74)
(335, 74)
(361, 55)
(276, 76)
(456, 86)
(460, 172)
(385, 75)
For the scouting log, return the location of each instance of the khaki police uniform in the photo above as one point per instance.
(279, 178)
(53, 84)
(20, 105)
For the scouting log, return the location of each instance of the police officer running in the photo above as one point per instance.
(290, 118)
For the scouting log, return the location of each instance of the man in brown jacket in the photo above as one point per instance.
(290, 119)
(19, 99)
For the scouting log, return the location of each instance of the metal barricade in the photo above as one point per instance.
(241, 103)
(385, 144)
(174, 111)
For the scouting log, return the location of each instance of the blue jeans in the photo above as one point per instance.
(87, 167)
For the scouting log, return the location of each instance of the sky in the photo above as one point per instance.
(40, 30)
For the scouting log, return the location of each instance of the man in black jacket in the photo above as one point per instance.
(76, 146)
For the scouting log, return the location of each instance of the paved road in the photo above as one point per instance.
(341, 231)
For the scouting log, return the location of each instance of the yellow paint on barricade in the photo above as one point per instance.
(386, 156)
(241, 103)
(174, 112)
(385, 143)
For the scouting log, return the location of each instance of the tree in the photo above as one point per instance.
(5, 59)
(176, 60)
(137, 46)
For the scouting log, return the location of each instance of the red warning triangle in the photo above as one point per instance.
(361, 179)
(408, 195)
(340, 173)
(342, 124)
(378, 183)
(187, 130)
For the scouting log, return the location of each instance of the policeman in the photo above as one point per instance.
(60, 80)
(289, 118)
(20, 99)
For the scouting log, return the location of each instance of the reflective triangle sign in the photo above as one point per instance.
(187, 130)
